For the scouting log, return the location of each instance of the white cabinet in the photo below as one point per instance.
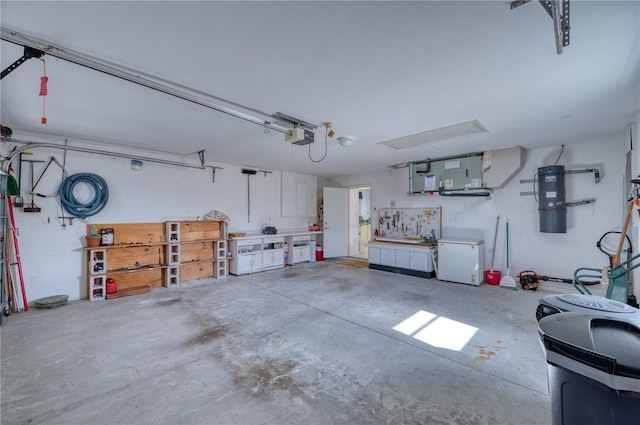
(248, 263)
(247, 256)
(403, 259)
(416, 260)
(257, 253)
(388, 257)
(301, 254)
(420, 261)
(375, 254)
(299, 249)
(272, 252)
(298, 195)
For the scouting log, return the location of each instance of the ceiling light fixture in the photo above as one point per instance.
(345, 141)
(437, 135)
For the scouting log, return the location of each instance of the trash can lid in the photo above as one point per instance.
(596, 303)
(603, 348)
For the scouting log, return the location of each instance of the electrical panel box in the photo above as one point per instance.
(451, 174)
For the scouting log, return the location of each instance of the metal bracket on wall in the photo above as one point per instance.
(213, 167)
(582, 202)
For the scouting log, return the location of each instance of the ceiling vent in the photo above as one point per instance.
(437, 135)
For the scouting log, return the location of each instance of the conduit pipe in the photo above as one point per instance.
(28, 145)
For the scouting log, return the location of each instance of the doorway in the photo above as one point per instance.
(359, 221)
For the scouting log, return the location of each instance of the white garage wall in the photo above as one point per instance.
(52, 257)
(549, 254)
(54, 262)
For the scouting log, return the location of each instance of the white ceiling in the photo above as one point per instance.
(376, 70)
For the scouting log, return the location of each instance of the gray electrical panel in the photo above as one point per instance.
(450, 174)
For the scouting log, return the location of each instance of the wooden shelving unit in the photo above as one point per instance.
(157, 254)
(199, 248)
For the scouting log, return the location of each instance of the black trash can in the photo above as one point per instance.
(593, 367)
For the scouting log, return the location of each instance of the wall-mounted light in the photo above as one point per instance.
(136, 165)
(345, 141)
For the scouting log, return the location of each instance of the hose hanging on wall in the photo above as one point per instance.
(73, 206)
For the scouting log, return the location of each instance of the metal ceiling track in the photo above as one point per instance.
(155, 83)
(559, 15)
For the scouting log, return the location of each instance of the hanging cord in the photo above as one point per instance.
(43, 91)
(64, 176)
(94, 206)
(326, 150)
(561, 150)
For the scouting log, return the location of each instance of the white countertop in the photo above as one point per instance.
(461, 240)
(401, 244)
(398, 240)
(284, 232)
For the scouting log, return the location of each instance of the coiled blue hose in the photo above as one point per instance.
(94, 206)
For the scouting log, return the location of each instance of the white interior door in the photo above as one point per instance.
(335, 232)
(354, 223)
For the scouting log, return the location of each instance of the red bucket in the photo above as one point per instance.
(492, 277)
(319, 253)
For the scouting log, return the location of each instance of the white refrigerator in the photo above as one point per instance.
(461, 260)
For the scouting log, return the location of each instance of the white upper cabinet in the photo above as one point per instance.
(298, 195)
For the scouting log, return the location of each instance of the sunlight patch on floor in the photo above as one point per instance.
(436, 330)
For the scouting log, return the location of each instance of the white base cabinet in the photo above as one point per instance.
(250, 254)
(246, 256)
(272, 252)
(247, 263)
(401, 258)
(299, 249)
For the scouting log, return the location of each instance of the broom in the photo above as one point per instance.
(507, 281)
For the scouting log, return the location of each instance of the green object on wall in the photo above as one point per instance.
(12, 186)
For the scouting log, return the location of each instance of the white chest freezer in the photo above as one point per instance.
(461, 260)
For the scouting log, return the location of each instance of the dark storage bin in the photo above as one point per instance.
(591, 304)
(593, 363)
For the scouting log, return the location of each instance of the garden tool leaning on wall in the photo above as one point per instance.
(617, 274)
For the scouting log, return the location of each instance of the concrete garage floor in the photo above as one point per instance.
(309, 344)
